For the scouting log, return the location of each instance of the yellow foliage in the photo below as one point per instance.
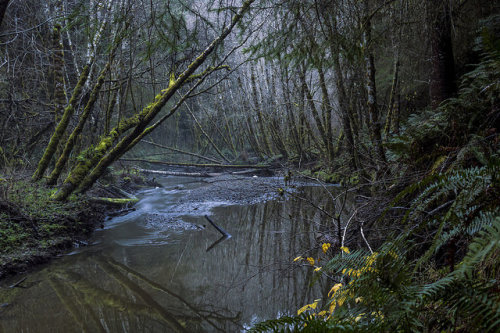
(325, 247)
(358, 318)
(334, 289)
(317, 269)
(306, 307)
(298, 258)
(345, 249)
(310, 260)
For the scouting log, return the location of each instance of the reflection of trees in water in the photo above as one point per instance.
(83, 300)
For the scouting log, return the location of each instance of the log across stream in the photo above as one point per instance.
(164, 268)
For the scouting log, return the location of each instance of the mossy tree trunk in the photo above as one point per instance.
(86, 172)
(70, 143)
(57, 73)
(62, 125)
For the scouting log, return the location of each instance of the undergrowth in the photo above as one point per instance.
(441, 273)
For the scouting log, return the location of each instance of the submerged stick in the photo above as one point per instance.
(18, 283)
(219, 229)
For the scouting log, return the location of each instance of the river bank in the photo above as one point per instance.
(34, 229)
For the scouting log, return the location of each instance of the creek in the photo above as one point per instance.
(164, 268)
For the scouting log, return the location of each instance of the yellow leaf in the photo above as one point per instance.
(322, 313)
(302, 309)
(358, 299)
(310, 260)
(317, 269)
(358, 318)
(345, 249)
(298, 258)
(325, 247)
(306, 307)
(334, 289)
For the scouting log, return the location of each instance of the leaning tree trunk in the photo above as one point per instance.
(442, 84)
(84, 175)
(70, 143)
(62, 125)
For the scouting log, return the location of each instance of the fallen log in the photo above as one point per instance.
(175, 173)
(227, 166)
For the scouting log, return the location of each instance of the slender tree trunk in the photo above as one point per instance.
(314, 110)
(393, 114)
(371, 90)
(346, 116)
(327, 113)
(205, 134)
(260, 116)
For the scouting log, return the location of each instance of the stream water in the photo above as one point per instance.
(164, 268)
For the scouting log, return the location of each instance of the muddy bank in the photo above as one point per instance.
(44, 240)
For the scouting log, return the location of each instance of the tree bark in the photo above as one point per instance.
(3, 8)
(371, 90)
(442, 82)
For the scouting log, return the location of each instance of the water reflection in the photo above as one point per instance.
(192, 281)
